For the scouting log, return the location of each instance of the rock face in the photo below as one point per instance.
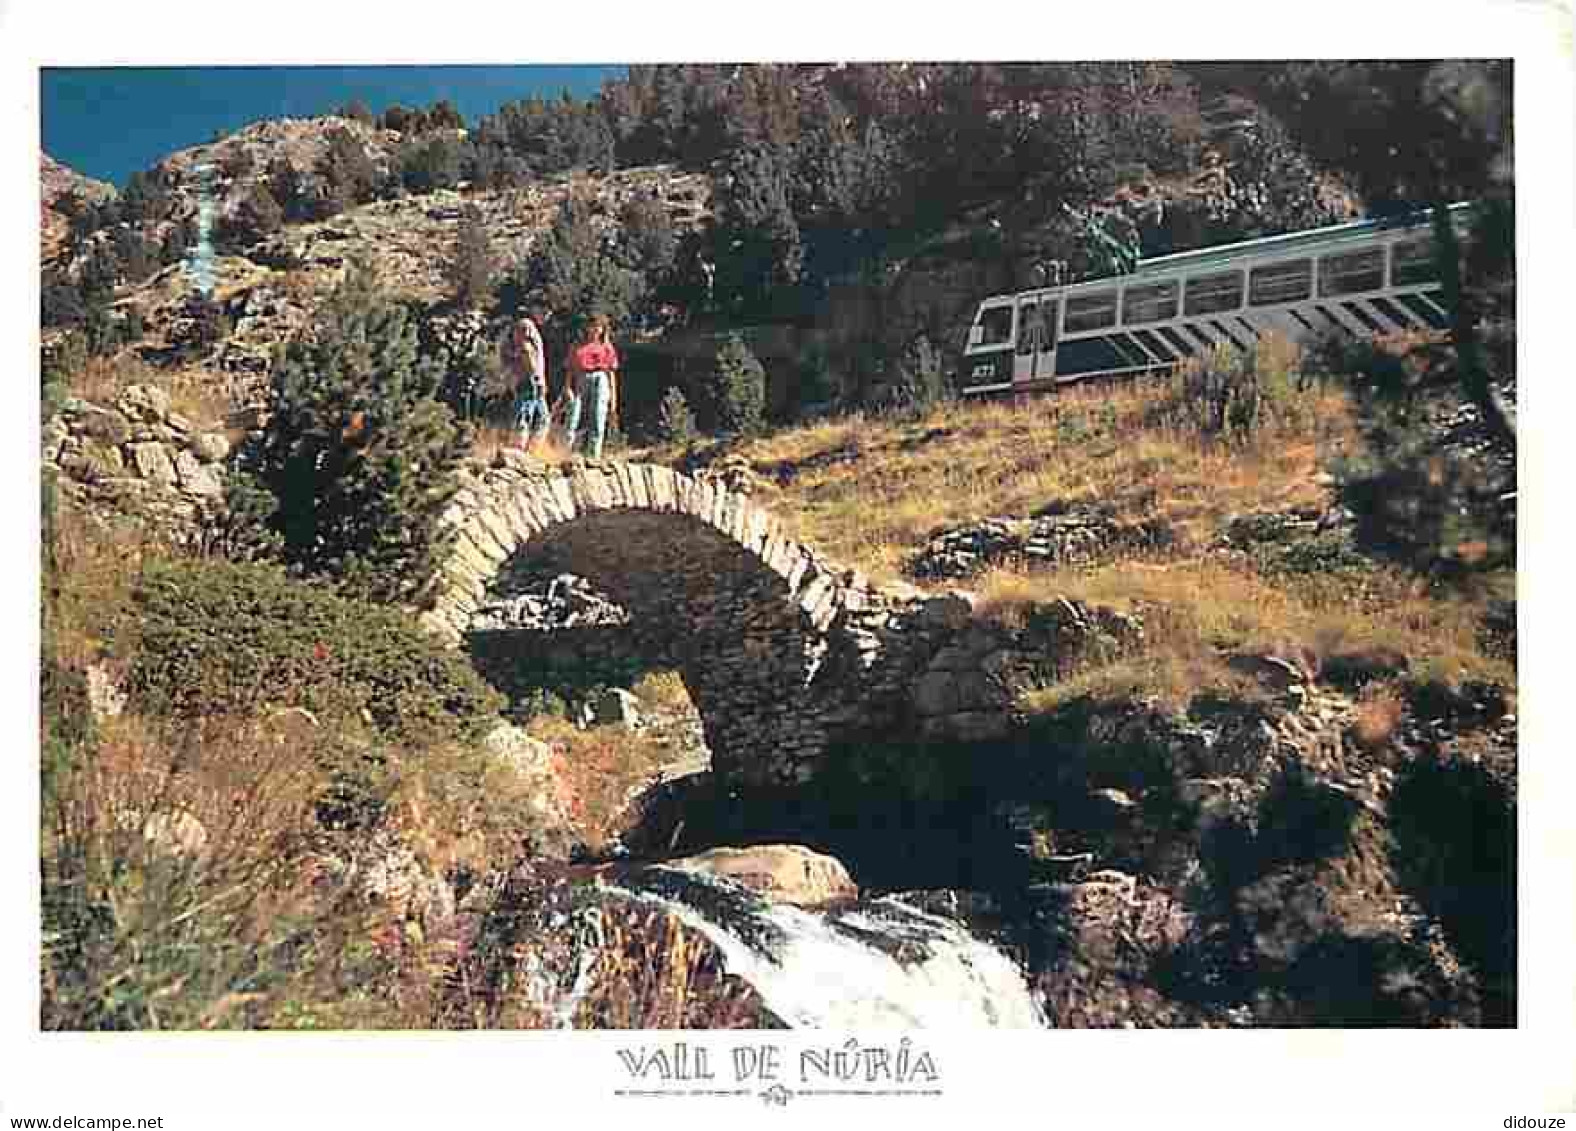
(616, 706)
(387, 874)
(57, 182)
(1079, 535)
(785, 873)
(269, 290)
(552, 603)
(136, 457)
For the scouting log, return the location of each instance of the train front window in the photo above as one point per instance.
(1211, 294)
(1412, 262)
(1089, 312)
(1348, 274)
(1280, 282)
(1152, 302)
(995, 325)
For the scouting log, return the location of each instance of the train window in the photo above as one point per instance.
(1152, 302)
(1280, 282)
(1211, 294)
(1028, 327)
(1350, 273)
(996, 325)
(1413, 262)
(1089, 312)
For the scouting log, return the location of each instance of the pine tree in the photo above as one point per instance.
(349, 174)
(760, 252)
(675, 421)
(431, 163)
(471, 267)
(737, 390)
(359, 453)
(575, 274)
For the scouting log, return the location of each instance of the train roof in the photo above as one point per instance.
(1224, 255)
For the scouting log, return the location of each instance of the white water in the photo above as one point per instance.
(879, 963)
(200, 263)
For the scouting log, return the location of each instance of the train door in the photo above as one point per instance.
(1034, 356)
(1045, 351)
(1026, 352)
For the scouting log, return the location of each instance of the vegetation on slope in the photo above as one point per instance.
(195, 860)
(872, 491)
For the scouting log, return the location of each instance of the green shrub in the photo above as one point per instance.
(223, 638)
(359, 453)
(240, 529)
(1328, 552)
(921, 374)
(675, 421)
(737, 390)
(818, 384)
(1234, 396)
(1431, 500)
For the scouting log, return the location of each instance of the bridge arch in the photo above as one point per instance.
(769, 636)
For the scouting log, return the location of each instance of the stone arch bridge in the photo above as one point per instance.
(787, 656)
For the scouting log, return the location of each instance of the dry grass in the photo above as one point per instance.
(174, 872)
(491, 439)
(655, 973)
(601, 769)
(458, 808)
(1379, 713)
(199, 395)
(1198, 612)
(869, 492)
(664, 691)
(96, 565)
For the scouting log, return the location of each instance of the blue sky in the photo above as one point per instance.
(108, 122)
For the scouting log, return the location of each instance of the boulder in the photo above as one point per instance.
(99, 423)
(210, 447)
(616, 706)
(145, 402)
(197, 478)
(518, 750)
(788, 873)
(106, 697)
(153, 463)
(178, 834)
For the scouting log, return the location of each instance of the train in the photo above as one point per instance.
(1363, 278)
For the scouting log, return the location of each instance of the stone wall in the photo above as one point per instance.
(786, 655)
(137, 456)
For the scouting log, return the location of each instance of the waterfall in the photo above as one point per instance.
(875, 963)
(199, 263)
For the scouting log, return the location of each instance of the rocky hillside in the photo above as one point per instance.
(265, 292)
(268, 294)
(56, 182)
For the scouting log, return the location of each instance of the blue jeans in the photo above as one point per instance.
(597, 388)
(530, 416)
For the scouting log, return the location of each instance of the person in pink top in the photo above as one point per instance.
(593, 381)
